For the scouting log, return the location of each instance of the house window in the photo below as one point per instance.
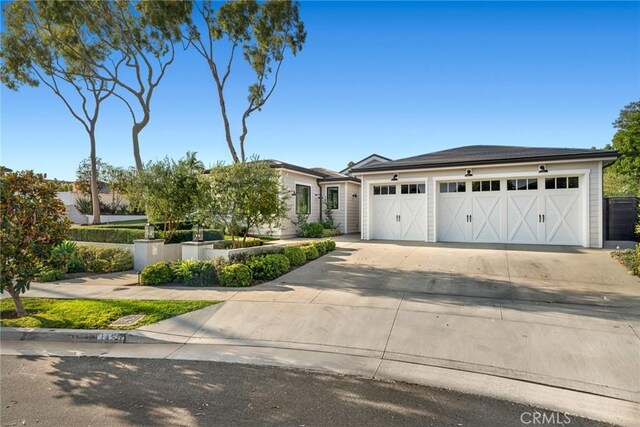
(453, 187)
(485, 185)
(303, 199)
(561, 182)
(522, 184)
(332, 197)
(384, 189)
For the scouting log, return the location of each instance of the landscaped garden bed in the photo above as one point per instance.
(91, 314)
(630, 259)
(69, 258)
(260, 264)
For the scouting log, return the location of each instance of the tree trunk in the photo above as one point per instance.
(15, 296)
(95, 191)
(135, 132)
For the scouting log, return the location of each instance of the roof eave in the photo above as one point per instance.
(573, 157)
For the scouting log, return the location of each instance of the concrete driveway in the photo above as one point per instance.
(506, 272)
(481, 309)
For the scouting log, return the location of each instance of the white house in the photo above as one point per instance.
(488, 194)
(311, 189)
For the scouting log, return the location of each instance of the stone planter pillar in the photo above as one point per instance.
(195, 251)
(147, 252)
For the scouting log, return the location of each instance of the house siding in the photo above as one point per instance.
(353, 208)
(594, 233)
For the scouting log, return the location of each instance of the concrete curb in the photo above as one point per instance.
(111, 336)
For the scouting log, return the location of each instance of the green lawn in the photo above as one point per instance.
(91, 314)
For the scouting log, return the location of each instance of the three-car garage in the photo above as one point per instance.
(487, 194)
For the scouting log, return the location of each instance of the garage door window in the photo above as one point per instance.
(412, 189)
(384, 189)
(453, 187)
(485, 185)
(522, 184)
(561, 182)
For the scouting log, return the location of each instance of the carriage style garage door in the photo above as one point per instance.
(519, 210)
(398, 211)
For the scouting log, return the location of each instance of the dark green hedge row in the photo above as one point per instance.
(127, 235)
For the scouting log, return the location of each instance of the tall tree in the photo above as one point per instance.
(33, 222)
(39, 45)
(264, 31)
(627, 141)
(142, 36)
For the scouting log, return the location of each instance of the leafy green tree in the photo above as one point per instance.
(617, 185)
(169, 191)
(33, 223)
(245, 196)
(39, 45)
(627, 141)
(264, 31)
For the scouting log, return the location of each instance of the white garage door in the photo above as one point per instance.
(519, 210)
(398, 211)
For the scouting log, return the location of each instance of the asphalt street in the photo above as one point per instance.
(75, 391)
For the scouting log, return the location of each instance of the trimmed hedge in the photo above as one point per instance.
(156, 274)
(321, 247)
(296, 256)
(228, 244)
(128, 235)
(235, 275)
(104, 235)
(310, 252)
(269, 267)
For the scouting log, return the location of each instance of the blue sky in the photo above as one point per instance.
(397, 79)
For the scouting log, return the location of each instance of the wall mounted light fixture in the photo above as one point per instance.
(469, 173)
(542, 169)
(354, 195)
(395, 177)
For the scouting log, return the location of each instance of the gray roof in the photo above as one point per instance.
(487, 154)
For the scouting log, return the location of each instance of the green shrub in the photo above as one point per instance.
(330, 244)
(50, 275)
(296, 256)
(105, 235)
(104, 259)
(327, 225)
(312, 229)
(76, 265)
(321, 247)
(235, 275)
(630, 259)
(62, 255)
(156, 274)
(269, 267)
(310, 252)
(331, 232)
(194, 273)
